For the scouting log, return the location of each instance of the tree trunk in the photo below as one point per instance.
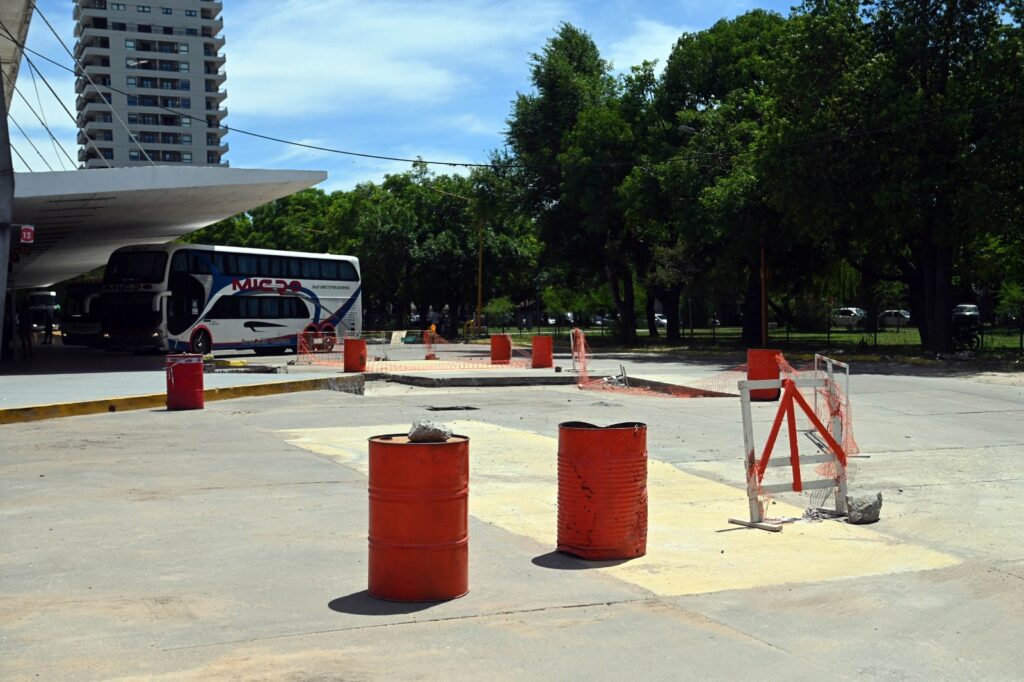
(752, 310)
(670, 301)
(652, 324)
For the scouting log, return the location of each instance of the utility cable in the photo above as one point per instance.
(23, 161)
(29, 140)
(10, 36)
(464, 164)
(42, 112)
(45, 127)
(91, 82)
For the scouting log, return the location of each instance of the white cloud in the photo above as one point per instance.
(302, 58)
(649, 40)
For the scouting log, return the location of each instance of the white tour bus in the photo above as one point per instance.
(194, 298)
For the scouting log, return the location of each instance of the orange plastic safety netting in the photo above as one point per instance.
(414, 351)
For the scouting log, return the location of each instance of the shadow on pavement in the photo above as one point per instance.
(362, 604)
(566, 562)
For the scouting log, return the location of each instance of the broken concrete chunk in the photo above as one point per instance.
(429, 432)
(864, 509)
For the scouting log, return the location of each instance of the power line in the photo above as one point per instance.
(29, 140)
(464, 164)
(45, 127)
(10, 36)
(85, 73)
(23, 161)
(42, 112)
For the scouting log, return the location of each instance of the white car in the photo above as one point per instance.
(848, 317)
(660, 320)
(894, 318)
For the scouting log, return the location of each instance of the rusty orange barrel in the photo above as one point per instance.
(542, 352)
(602, 490)
(185, 382)
(419, 531)
(501, 349)
(763, 363)
(355, 355)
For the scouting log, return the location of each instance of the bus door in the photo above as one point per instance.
(188, 295)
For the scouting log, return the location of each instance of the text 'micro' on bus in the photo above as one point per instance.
(195, 298)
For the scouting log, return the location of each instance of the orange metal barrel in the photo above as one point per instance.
(763, 364)
(501, 349)
(542, 352)
(602, 490)
(419, 519)
(185, 382)
(355, 355)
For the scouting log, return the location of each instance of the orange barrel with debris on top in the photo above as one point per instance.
(419, 519)
(185, 381)
(501, 349)
(602, 490)
(355, 355)
(763, 363)
(542, 355)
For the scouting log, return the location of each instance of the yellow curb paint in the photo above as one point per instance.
(16, 415)
(692, 549)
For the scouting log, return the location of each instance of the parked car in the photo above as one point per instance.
(660, 320)
(894, 318)
(848, 317)
(966, 316)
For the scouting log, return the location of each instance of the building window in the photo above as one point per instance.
(186, 138)
(183, 66)
(183, 48)
(133, 101)
(133, 155)
(190, 13)
(167, 10)
(186, 122)
(107, 153)
(186, 157)
(211, 157)
(118, 26)
(118, 6)
(191, 31)
(131, 80)
(186, 102)
(184, 85)
(129, 44)
(142, 8)
(144, 28)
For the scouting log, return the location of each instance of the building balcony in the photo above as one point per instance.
(215, 26)
(220, 113)
(217, 95)
(90, 124)
(214, 41)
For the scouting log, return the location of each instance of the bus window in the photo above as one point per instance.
(294, 268)
(198, 263)
(180, 262)
(347, 271)
(146, 267)
(247, 264)
(328, 269)
(310, 268)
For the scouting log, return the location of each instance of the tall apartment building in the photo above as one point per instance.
(166, 59)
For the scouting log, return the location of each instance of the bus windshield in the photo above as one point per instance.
(147, 267)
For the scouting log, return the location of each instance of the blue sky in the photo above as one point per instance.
(428, 78)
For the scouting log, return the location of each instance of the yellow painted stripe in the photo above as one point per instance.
(16, 415)
(691, 547)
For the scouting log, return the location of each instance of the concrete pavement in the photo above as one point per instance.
(231, 544)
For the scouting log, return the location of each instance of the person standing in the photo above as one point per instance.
(47, 326)
(25, 330)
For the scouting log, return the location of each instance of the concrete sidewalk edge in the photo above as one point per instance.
(14, 415)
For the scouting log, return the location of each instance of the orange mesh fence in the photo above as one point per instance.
(721, 384)
(408, 351)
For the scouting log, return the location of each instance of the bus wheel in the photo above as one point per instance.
(201, 342)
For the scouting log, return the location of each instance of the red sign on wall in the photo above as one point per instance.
(28, 234)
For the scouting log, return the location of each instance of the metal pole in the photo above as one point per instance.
(479, 275)
(764, 299)
(6, 205)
